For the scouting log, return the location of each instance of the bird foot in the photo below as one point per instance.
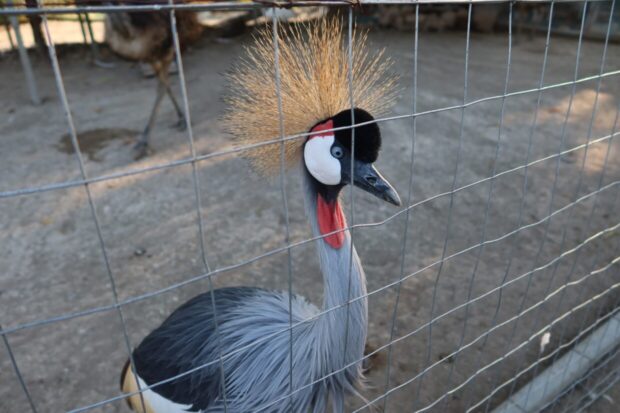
(103, 64)
(181, 124)
(141, 149)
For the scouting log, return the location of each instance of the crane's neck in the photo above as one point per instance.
(343, 275)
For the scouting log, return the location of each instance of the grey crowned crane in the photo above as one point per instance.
(147, 37)
(327, 356)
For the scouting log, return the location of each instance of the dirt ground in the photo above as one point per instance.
(51, 261)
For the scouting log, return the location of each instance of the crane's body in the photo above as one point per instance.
(251, 327)
(258, 371)
(147, 37)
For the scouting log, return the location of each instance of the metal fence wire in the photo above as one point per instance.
(502, 259)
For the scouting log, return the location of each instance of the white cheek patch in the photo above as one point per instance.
(320, 162)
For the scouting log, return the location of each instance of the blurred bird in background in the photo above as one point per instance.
(147, 37)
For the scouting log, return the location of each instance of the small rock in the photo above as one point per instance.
(139, 252)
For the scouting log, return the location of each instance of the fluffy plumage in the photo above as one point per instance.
(256, 376)
(314, 85)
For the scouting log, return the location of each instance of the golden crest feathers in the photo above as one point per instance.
(314, 86)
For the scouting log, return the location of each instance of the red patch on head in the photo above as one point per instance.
(331, 219)
(321, 128)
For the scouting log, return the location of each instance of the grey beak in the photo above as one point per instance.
(370, 180)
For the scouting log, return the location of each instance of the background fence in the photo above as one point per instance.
(503, 145)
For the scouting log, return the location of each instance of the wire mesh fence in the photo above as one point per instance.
(503, 256)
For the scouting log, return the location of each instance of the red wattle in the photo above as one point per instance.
(331, 218)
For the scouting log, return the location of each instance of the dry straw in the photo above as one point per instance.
(314, 86)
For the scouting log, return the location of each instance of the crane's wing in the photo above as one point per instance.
(183, 343)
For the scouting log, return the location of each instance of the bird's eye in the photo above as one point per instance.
(337, 152)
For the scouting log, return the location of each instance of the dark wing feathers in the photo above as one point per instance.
(175, 347)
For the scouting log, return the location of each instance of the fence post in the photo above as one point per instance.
(25, 60)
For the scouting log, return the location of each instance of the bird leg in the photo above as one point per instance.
(181, 124)
(163, 80)
(163, 87)
(141, 146)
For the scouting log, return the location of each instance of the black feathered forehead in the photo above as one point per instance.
(367, 137)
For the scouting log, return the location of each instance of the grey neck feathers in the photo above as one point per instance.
(342, 283)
